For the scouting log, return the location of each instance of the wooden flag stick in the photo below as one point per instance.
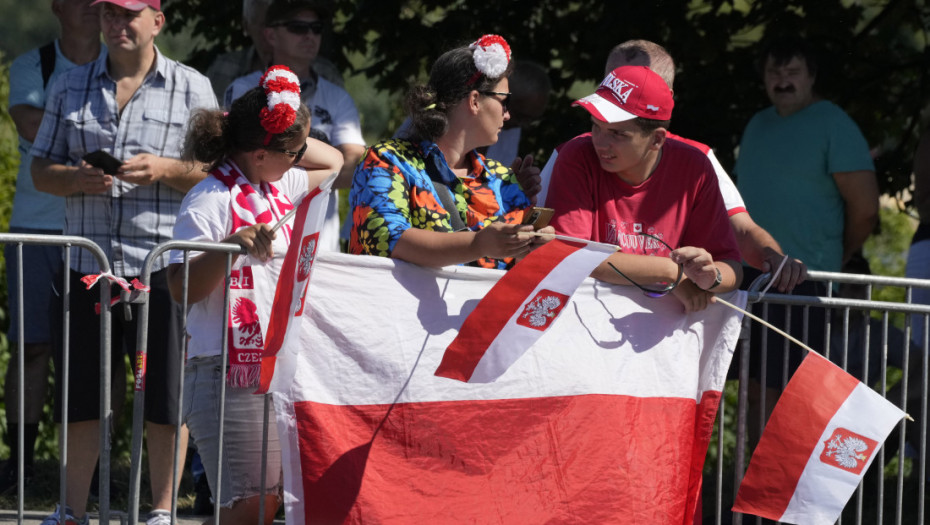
(717, 299)
(288, 215)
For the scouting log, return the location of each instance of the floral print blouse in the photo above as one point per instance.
(392, 191)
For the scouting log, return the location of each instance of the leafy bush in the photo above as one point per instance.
(9, 162)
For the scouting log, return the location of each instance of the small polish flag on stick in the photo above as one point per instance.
(519, 309)
(822, 437)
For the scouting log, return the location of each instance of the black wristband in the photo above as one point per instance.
(717, 281)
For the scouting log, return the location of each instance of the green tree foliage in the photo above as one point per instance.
(875, 55)
(9, 163)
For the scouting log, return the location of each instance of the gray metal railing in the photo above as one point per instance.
(850, 327)
(106, 412)
(139, 398)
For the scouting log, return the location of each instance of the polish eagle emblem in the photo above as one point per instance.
(245, 317)
(542, 310)
(847, 450)
(305, 259)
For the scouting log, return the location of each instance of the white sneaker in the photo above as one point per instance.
(159, 517)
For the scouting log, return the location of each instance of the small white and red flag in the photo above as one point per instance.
(519, 309)
(822, 437)
(291, 287)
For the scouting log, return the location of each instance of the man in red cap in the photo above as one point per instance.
(134, 104)
(625, 184)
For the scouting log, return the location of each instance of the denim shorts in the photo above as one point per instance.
(242, 433)
(42, 272)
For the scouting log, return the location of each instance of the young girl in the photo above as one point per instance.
(261, 163)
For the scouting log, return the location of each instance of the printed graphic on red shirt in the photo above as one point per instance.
(848, 451)
(633, 237)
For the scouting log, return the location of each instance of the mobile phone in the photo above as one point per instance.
(537, 216)
(103, 160)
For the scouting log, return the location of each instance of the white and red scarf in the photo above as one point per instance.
(247, 207)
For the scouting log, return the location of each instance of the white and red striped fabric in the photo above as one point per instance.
(519, 309)
(291, 287)
(606, 420)
(820, 440)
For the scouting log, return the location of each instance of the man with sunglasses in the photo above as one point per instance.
(233, 64)
(625, 184)
(133, 103)
(293, 29)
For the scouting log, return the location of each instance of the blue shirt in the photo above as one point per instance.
(785, 174)
(32, 208)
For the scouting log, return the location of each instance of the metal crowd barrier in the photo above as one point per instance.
(106, 412)
(139, 397)
(841, 317)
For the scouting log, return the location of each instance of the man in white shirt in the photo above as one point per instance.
(294, 29)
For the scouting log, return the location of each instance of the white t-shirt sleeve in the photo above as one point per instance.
(347, 129)
(204, 216)
(295, 184)
(546, 176)
(731, 197)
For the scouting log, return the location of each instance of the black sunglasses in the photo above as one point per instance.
(505, 102)
(301, 27)
(299, 154)
(650, 292)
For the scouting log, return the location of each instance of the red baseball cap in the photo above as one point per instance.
(629, 92)
(133, 5)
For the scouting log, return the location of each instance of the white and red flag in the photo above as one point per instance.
(606, 420)
(822, 437)
(291, 286)
(519, 309)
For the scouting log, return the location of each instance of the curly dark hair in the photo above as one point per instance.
(452, 77)
(213, 135)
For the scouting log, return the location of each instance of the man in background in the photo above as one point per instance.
(294, 30)
(35, 212)
(256, 57)
(529, 95)
(805, 171)
(134, 104)
(804, 167)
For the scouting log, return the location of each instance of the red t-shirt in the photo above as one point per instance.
(680, 202)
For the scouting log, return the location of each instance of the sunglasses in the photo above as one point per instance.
(299, 154)
(300, 27)
(505, 102)
(651, 292)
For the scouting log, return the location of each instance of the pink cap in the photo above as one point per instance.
(629, 92)
(133, 5)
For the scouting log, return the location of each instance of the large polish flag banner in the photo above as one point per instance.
(822, 437)
(605, 419)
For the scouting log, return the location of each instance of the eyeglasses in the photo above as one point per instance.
(649, 292)
(505, 102)
(299, 154)
(301, 27)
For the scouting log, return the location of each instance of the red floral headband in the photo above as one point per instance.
(282, 87)
(492, 56)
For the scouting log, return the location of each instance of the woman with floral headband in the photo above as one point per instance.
(261, 164)
(434, 200)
